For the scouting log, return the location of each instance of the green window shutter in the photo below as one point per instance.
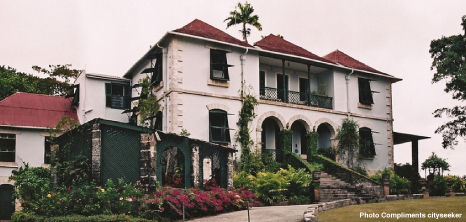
(365, 92)
(108, 94)
(219, 131)
(219, 65)
(76, 96)
(366, 143)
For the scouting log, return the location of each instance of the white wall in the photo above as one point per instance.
(92, 100)
(29, 149)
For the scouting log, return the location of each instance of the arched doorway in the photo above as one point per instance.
(298, 139)
(325, 134)
(173, 167)
(270, 138)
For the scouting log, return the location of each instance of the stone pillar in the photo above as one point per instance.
(316, 185)
(415, 155)
(53, 169)
(424, 191)
(144, 165)
(153, 162)
(96, 153)
(230, 170)
(195, 160)
(450, 189)
(386, 184)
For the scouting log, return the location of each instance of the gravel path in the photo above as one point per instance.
(293, 213)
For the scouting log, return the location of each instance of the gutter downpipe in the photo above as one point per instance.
(165, 86)
(347, 78)
(242, 58)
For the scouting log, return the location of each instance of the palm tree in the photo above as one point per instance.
(244, 16)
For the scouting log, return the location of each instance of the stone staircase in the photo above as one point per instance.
(333, 188)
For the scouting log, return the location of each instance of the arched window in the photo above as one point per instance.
(366, 143)
(218, 126)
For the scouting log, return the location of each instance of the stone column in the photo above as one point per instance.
(386, 184)
(195, 160)
(53, 170)
(96, 153)
(153, 162)
(144, 165)
(230, 170)
(415, 155)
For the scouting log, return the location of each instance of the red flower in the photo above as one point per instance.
(54, 194)
(69, 188)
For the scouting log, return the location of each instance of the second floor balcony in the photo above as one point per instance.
(299, 98)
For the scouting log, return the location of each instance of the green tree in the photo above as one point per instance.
(12, 81)
(244, 16)
(449, 62)
(435, 163)
(348, 142)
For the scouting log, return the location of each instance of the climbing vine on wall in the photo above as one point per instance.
(312, 138)
(246, 115)
(348, 142)
(148, 104)
(285, 140)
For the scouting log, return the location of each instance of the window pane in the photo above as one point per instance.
(219, 131)
(7, 147)
(118, 90)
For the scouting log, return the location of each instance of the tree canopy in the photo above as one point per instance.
(12, 81)
(436, 163)
(449, 63)
(348, 142)
(244, 16)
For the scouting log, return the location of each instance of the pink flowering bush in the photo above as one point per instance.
(168, 202)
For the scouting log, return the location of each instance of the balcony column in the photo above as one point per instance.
(285, 93)
(308, 90)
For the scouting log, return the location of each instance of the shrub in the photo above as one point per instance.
(270, 187)
(327, 152)
(298, 184)
(439, 186)
(398, 185)
(31, 183)
(458, 183)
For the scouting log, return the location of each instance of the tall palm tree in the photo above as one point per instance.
(244, 16)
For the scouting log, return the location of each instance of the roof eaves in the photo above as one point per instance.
(208, 39)
(106, 77)
(294, 56)
(135, 65)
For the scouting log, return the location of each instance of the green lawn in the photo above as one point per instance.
(422, 207)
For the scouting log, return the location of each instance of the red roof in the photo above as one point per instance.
(348, 61)
(277, 44)
(202, 29)
(35, 110)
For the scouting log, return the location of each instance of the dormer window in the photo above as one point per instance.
(219, 65)
(118, 95)
(365, 92)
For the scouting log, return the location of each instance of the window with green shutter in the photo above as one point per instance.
(219, 65)
(366, 143)
(118, 95)
(7, 147)
(365, 92)
(218, 126)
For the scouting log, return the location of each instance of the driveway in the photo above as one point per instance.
(292, 213)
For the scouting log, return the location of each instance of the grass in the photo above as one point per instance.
(456, 205)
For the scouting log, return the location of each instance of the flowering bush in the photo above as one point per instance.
(168, 202)
(119, 199)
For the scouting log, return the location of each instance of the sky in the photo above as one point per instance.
(392, 36)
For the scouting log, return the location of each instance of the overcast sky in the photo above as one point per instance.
(107, 37)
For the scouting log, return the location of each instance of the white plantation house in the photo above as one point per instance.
(197, 72)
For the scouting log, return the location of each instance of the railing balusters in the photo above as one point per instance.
(300, 98)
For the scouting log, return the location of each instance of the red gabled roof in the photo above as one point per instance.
(277, 44)
(35, 110)
(348, 61)
(202, 29)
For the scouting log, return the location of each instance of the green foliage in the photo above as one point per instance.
(21, 216)
(459, 184)
(312, 138)
(12, 81)
(291, 185)
(320, 89)
(250, 163)
(327, 152)
(120, 198)
(244, 16)
(436, 163)
(297, 162)
(448, 55)
(348, 142)
(270, 164)
(398, 185)
(343, 172)
(185, 132)
(439, 186)
(407, 171)
(148, 104)
(285, 141)
(31, 183)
